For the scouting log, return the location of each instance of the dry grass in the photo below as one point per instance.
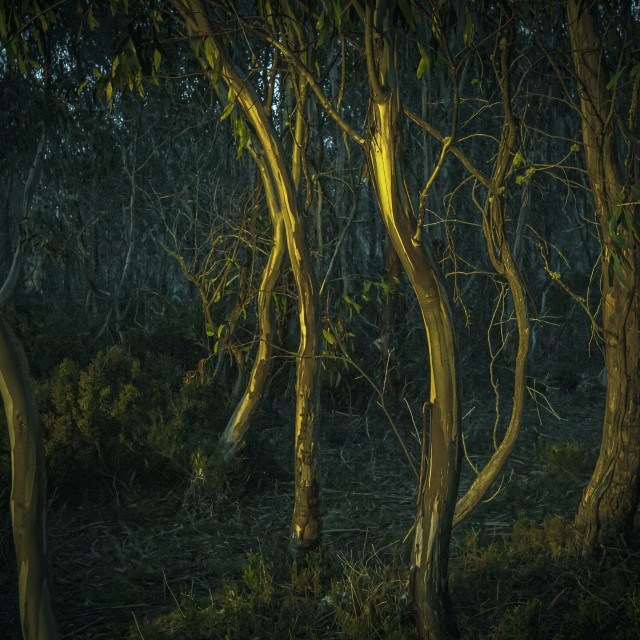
(116, 562)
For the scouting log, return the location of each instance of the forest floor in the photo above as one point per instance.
(142, 554)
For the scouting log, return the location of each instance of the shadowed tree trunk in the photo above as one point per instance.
(610, 501)
(28, 489)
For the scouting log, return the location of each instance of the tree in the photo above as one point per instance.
(305, 525)
(610, 501)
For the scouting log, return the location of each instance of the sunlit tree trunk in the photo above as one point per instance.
(392, 379)
(28, 489)
(305, 525)
(610, 501)
(439, 486)
(238, 424)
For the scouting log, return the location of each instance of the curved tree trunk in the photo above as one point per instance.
(610, 501)
(238, 424)
(28, 489)
(305, 524)
(430, 557)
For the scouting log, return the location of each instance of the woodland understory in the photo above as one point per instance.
(319, 319)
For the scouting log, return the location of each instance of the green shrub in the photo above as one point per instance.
(86, 416)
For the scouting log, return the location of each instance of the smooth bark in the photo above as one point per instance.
(238, 424)
(437, 493)
(305, 525)
(610, 500)
(28, 489)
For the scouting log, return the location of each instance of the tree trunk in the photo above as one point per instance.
(610, 501)
(392, 379)
(238, 424)
(437, 492)
(28, 489)
(305, 524)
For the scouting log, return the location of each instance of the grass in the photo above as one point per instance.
(208, 558)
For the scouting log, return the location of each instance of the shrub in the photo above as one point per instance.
(85, 416)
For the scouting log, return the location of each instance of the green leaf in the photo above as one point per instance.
(210, 331)
(91, 19)
(208, 52)
(615, 79)
(22, 66)
(337, 14)
(220, 329)
(157, 56)
(618, 269)
(242, 132)
(217, 72)
(405, 7)
(614, 221)
(328, 337)
(226, 112)
(82, 86)
(424, 61)
(109, 92)
(467, 27)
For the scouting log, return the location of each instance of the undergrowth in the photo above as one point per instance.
(344, 598)
(525, 586)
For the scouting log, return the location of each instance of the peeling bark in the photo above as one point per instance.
(437, 496)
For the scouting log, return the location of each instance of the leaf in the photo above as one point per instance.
(97, 73)
(217, 72)
(615, 79)
(210, 330)
(91, 19)
(226, 112)
(220, 329)
(208, 51)
(467, 27)
(575, 147)
(328, 337)
(635, 72)
(109, 92)
(405, 7)
(82, 86)
(424, 61)
(618, 269)
(614, 221)
(337, 14)
(157, 56)
(243, 133)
